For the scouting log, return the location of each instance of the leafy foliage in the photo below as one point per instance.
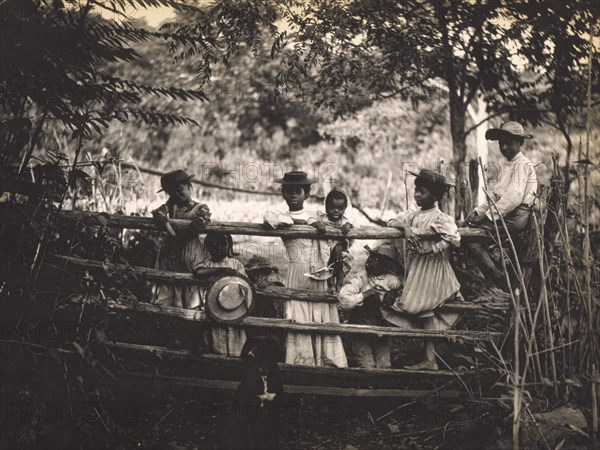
(52, 58)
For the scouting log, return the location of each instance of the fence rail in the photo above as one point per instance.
(244, 228)
(274, 293)
(202, 317)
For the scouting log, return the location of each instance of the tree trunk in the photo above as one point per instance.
(478, 116)
(463, 203)
(458, 109)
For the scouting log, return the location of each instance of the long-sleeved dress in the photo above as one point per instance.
(430, 279)
(181, 254)
(304, 257)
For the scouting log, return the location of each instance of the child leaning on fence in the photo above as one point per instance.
(379, 284)
(304, 258)
(334, 251)
(430, 279)
(180, 251)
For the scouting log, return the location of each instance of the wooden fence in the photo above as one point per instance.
(127, 310)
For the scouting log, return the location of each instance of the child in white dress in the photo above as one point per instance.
(304, 257)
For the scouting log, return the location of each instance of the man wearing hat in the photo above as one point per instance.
(513, 194)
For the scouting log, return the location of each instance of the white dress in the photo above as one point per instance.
(304, 256)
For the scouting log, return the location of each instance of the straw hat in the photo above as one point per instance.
(509, 128)
(229, 299)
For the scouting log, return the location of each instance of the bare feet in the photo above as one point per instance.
(424, 365)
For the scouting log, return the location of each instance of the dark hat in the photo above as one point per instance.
(259, 262)
(171, 180)
(229, 299)
(432, 177)
(389, 252)
(295, 177)
(509, 128)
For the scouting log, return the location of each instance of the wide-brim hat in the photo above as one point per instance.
(171, 180)
(509, 128)
(258, 263)
(295, 178)
(229, 299)
(432, 177)
(389, 253)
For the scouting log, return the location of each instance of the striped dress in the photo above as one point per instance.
(430, 279)
(308, 349)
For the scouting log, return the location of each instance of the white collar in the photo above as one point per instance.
(518, 156)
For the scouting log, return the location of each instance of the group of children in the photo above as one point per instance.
(385, 293)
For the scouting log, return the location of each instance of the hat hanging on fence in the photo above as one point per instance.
(295, 178)
(258, 263)
(509, 128)
(170, 180)
(229, 299)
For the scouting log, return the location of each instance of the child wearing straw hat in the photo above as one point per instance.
(182, 251)
(305, 257)
(430, 279)
(513, 194)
